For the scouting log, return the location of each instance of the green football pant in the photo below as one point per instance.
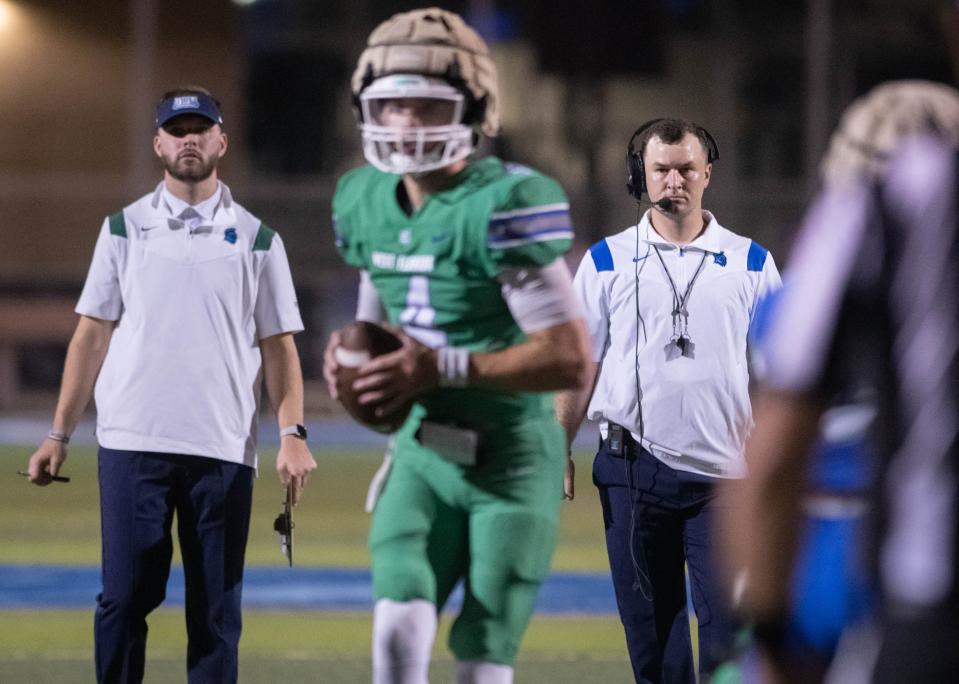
(494, 525)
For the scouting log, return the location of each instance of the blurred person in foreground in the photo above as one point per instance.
(467, 256)
(871, 299)
(189, 302)
(669, 303)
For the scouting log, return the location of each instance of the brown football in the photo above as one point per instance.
(361, 341)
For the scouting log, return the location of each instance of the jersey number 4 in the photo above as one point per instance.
(418, 317)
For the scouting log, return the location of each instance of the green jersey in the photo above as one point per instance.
(436, 270)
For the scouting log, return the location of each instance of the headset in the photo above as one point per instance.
(636, 173)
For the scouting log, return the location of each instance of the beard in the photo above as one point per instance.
(190, 169)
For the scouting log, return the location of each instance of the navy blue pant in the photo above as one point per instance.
(657, 519)
(139, 492)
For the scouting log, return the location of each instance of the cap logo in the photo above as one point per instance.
(186, 102)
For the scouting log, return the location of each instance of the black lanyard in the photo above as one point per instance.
(680, 344)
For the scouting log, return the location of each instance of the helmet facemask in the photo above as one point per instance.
(413, 124)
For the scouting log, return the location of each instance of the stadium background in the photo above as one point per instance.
(78, 83)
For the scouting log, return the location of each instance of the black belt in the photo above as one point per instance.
(621, 443)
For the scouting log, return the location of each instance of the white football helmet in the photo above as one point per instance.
(423, 146)
(425, 54)
(876, 123)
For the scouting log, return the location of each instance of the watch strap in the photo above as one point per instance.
(296, 430)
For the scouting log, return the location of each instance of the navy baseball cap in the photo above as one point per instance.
(192, 103)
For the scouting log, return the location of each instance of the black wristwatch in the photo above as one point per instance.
(297, 431)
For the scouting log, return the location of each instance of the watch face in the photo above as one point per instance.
(301, 432)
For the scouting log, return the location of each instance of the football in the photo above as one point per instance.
(361, 341)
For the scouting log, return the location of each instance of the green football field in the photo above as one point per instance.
(60, 525)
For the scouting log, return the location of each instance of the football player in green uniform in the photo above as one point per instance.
(464, 257)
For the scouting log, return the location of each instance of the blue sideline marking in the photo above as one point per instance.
(267, 588)
(325, 433)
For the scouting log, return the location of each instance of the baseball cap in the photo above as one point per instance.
(191, 103)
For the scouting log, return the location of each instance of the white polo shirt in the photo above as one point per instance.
(193, 289)
(694, 411)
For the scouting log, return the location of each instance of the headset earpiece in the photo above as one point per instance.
(712, 149)
(635, 173)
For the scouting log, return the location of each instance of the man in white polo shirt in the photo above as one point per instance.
(668, 305)
(189, 302)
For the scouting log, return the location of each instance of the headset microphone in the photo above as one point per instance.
(664, 204)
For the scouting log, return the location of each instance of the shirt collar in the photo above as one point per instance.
(708, 240)
(207, 209)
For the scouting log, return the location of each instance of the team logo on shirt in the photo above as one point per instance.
(230, 235)
(720, 258)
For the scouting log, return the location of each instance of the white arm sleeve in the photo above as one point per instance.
(540, 296)
(769, 282)
(276, 310)
(101, 297)
(590, 291)
(369, 307)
